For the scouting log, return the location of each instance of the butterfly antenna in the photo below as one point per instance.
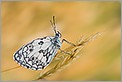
(53, 24)
(11, 69)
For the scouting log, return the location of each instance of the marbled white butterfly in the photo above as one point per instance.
(39, 53)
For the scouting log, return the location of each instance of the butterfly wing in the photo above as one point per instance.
(37, 54)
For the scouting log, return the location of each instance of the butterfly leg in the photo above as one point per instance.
(64, 40)
(62, 56)
(65, 52)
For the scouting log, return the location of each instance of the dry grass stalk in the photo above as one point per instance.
(64, 59)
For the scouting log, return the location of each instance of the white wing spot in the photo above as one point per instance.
(25, 48)
(44, 59)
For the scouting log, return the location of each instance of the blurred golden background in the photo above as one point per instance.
(24, 21)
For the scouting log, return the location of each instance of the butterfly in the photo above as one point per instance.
(38, 54)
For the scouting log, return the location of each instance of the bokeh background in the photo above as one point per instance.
(25, 21)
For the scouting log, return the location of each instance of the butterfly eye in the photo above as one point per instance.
(58, 34)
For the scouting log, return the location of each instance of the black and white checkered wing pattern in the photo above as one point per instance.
(37, 54)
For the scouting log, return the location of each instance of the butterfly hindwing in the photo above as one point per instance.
(37, 54)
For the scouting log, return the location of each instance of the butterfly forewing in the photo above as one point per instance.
(37, 54)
